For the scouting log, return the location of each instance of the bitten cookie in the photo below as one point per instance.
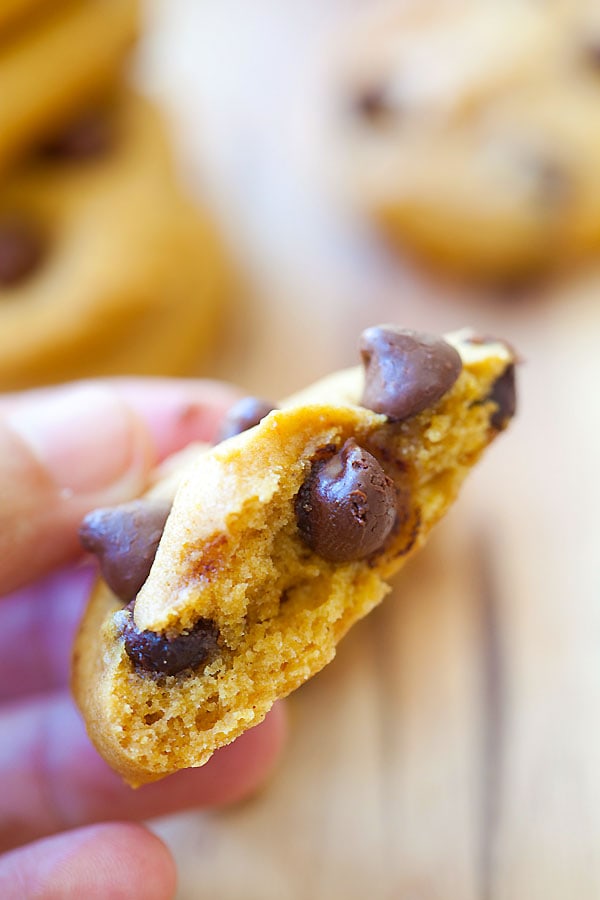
(58, 62)
(105, 267)
(470, 131)
(278, 540)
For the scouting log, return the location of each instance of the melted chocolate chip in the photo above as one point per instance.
(405, 371)
(346, 508)
(244, 414)
(504, 394)
(164, 655)
(90, 137)
(21, 250)
(125, 538)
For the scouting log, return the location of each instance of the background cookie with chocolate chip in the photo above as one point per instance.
(279, 539)
(56, 63)
(105, 267)
(469, 132)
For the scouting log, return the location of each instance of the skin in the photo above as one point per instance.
(63, 452)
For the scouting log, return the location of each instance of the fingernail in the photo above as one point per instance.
(88, 441)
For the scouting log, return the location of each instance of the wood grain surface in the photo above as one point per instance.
(452, 750)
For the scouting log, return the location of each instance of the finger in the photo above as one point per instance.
(52, 779)
(69, 449)
(116, 861)
(37, 628)
(178, 412)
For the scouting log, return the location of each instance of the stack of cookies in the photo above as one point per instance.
(105, 266)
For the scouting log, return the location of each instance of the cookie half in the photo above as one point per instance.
(278, 540)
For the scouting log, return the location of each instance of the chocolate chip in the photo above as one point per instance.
(405, 371)
(346, 508)
(153, 652)
(125, 538)
(21, 250)
(90, 137)
(504, 394)
(244, 414)
(591, 49)
(372, 103)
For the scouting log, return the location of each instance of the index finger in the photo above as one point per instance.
(69, 449)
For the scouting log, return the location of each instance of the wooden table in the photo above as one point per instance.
(452, 750)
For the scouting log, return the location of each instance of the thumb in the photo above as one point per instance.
(112, 860)
(70, 449)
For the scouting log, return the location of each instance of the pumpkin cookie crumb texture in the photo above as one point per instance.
(279, 539)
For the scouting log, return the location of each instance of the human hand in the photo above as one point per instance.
(63, 452)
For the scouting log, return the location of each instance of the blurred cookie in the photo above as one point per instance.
(279, 539)
(471, 133)
(60, 61)
(105, 267)
(14, 12)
